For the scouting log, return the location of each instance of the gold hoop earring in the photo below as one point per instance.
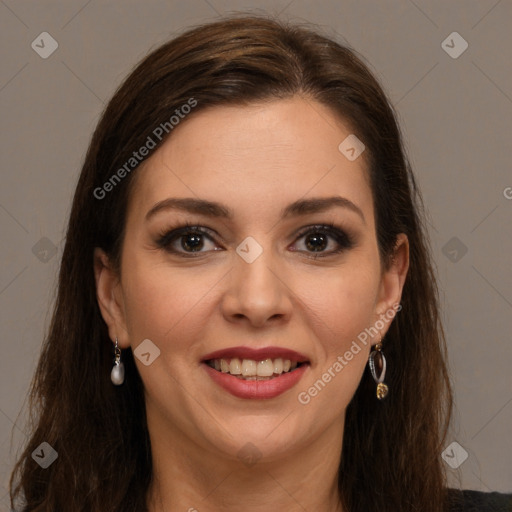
(377, 360)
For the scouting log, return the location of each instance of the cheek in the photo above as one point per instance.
(343, 348)
(342, 308)
(160, 301)
(344, 304)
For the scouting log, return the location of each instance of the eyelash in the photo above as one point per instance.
(344, 240)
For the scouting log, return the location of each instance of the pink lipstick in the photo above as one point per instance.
(255, 373)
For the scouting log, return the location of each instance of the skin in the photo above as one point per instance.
(255, 160)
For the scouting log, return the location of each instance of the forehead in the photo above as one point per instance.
(255, 159)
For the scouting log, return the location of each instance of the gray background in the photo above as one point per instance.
(455, 114)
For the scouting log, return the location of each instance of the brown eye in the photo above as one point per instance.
(190, 240)
(317, 239)
(185, 240)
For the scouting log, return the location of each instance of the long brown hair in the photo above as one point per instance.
(391, 450)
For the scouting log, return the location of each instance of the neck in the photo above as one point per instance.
(188, 477)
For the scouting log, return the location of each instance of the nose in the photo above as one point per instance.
(256, 293)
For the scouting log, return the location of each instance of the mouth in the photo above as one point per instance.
(256, 373)
(251, 369)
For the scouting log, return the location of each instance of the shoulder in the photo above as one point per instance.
(476, 501)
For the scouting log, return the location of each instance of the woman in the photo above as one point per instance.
(247, 310)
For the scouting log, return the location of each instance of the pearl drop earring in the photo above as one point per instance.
(117, 373)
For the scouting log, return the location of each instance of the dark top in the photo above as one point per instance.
(475, 501)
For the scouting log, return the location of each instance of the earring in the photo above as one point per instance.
(378, 356)
(117, 373)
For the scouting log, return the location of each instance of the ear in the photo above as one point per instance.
(110, 298)
(392, 283)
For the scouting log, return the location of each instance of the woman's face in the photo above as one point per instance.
(252, 279)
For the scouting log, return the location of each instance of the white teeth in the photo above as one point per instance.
(235, 367)
(278, 366)
(250, 369)
(265, 368)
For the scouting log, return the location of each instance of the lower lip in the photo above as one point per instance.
(256, 389)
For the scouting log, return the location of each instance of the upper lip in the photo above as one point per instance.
(257, 354)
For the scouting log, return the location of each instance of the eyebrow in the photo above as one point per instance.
(214, 209)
